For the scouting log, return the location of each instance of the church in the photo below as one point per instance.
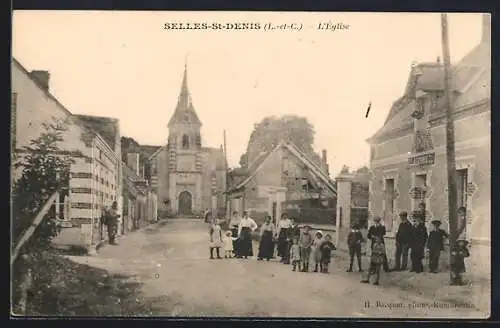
(187, 177)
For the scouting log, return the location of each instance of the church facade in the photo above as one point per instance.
(188, 177)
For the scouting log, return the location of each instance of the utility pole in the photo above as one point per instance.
(450, 136)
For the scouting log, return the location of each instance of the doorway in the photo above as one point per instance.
(185, 203)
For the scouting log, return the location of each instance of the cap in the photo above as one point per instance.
(403, 213)
(377, 219)
(436, 222)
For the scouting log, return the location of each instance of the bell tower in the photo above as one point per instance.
(185, 155)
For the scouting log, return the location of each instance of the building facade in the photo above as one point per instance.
(92, 142)
(188, 177)
(283, 179)
(408, 154)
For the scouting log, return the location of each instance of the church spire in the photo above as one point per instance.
(185, 106)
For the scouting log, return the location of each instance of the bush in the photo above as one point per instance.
(44, 171)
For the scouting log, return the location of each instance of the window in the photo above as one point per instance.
(421, 182)
(389, 203)
(185, 141)
(198, 140)
(462, 188)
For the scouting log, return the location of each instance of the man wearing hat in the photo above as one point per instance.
(435, 244)
(419, 241)
(378, 230)
(403, 241)
(458, 253)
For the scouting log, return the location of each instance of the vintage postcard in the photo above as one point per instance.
(251, 164)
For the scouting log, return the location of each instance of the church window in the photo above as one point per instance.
(185, 141)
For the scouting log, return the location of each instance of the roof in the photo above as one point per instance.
(464, 75)
(316, 171)
(184, 109)
(134, 183)
(78, 119)
(148, 150)
(107, 127)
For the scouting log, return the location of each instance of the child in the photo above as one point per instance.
(316, 249)
(228, 244)
(326, 249)
(305, 242)
(354, 241)
(458, 253)
(376, 260)
(435, 244)
(295, 254)
(215, 239)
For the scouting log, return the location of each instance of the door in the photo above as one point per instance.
(185, 203)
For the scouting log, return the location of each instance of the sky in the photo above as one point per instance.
(126, 65)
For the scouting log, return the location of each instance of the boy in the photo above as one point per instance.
(354, 241)
(305, 242)
(376, 260)
(458, 253)
(435, 244)
(326, 249)
(295, 254)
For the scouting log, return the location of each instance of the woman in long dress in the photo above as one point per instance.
(247, 225)
(284, 233)
(266, 246)
(234, 224)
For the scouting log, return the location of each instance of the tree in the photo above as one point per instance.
(45, 168)
(345, 169)
(271, 130)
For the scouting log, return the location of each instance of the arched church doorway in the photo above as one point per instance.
(185, 203)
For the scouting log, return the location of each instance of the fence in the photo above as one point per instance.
(313, 215)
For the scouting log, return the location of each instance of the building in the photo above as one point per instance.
(188, 178)
(92, 142)
(139, 200)
(408, 153)
(283, 179)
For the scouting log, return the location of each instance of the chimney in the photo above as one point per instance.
(324, 162)
(133, 162)
(486, 28)
(42, 77)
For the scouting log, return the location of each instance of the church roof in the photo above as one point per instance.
(184, 109)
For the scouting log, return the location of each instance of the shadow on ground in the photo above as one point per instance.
(62, 287)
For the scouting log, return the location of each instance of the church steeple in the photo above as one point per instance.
(184, 111)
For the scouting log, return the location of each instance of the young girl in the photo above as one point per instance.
(458, 253)
(326, 249)
(295, 254)
(316, 251)
(228, 244)
(376, 260)
(215, 239)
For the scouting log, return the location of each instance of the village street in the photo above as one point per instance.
(171, 261)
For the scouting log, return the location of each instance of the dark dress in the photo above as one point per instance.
(378, 230)
(245, 242)
(283, 243)
(266, 246)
